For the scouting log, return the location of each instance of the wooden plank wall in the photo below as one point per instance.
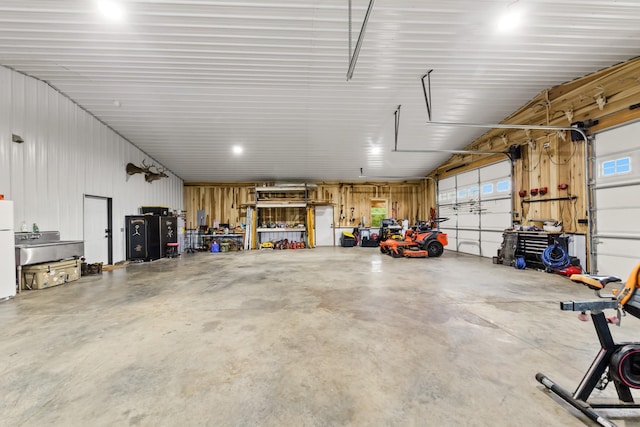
(551, 158)
(405, 200)
(226, 202)
(222, 202)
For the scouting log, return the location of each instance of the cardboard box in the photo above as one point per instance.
(46, 275)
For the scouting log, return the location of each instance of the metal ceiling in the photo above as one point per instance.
(187, 80)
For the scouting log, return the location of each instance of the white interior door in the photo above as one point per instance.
(96, 224)
(324, 226)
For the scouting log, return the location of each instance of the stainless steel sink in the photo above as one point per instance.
(35, 253)
(45, 246)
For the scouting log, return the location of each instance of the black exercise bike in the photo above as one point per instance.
(615, 362)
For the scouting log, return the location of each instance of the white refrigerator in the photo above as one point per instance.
(7, 251)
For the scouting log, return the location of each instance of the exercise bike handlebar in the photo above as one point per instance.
(582, 306)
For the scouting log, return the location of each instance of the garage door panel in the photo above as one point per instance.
(617, 256)
(478, 203)
(495, 171)
(617, 210)
(616, 221)
(497, 206)
(467, 178)
(620, 140)
(617, 171)
(469, 242)
(453, 242)
(450, 232)
(491, 242)
(496, 214)
(468, 220)
(448, 211)
(496, 222)
(447, 183)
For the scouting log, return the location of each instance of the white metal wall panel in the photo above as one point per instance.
(67, 153)
(616, 200)
(5, 132)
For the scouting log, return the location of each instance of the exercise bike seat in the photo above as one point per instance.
(594, 282)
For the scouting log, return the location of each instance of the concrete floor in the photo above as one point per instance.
(322, 337)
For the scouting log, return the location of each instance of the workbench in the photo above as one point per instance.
(203, 241)
(530, 245)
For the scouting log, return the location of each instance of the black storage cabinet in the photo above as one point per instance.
(530, 245)
(347, 241)
(148, 235)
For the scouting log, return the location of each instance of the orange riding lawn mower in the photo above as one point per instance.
(420, 241)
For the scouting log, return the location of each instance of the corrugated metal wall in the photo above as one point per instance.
(67, 153)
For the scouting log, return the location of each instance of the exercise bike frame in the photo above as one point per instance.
(597, 372)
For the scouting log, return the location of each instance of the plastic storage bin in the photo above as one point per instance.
(46, 275)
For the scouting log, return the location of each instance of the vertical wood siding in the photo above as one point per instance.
(227, 202)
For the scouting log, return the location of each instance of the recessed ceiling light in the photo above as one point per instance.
(376, 149)
(510, 20)
(111, 10)
(237, 149)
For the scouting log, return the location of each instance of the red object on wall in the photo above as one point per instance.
(563, 186)
(543, 190)
(522, 193)
(534, 191)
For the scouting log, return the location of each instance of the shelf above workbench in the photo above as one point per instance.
(280, 204)
(279, 229)
(281, 189)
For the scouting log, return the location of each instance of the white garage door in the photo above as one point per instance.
(617, 200)
(478, 205)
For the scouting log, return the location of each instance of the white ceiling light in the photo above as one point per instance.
(510, 20)
(376, 149)
(111, 10)
(237, 149)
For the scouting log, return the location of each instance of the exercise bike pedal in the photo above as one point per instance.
(604, 381)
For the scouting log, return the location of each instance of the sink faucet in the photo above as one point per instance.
(31, 236)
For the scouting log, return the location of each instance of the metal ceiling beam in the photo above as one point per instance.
(397, 120)
(427, 96)
(356, 51)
